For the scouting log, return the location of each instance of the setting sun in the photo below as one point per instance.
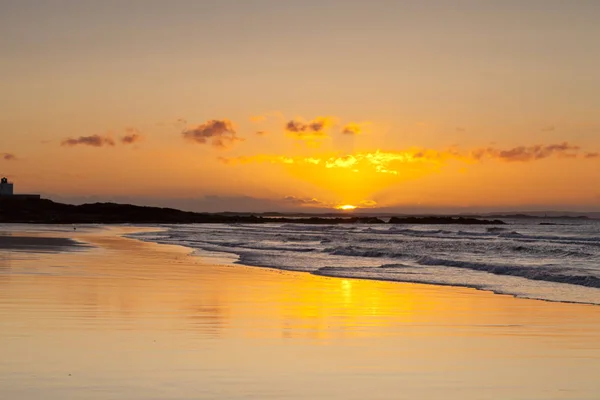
(346, 207)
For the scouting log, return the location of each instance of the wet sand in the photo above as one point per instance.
(36, 243)
(131, 320)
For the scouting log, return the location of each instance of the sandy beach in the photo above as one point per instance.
(125, 319)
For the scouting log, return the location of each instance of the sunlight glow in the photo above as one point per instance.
(346, 207)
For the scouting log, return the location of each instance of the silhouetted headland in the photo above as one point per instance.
(44, 211)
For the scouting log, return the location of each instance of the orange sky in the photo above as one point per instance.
(484, 105)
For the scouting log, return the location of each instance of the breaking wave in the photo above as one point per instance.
(551, 262)
(550, 273)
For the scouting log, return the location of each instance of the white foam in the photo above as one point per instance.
(559, 263)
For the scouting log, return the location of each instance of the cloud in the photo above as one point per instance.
(261, 158)
(94, 141)
(132, 136)
(304, 201)
(310, 131)
(354, 128)
(528, 153)
(368, 203)
(8, 157)
(341, 162)
(131, 139)
(314, 202)
(261, 133)
(385, 162)
(269, 159)
(301, 127)
(377, 160)
(219, 133)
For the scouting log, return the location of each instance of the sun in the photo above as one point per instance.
(346, 207)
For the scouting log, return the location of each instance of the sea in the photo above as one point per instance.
(553, 260)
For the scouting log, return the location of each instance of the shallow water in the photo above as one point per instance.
(559, 262)
(133, 320)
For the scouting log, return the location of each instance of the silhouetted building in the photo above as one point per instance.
(7, 190)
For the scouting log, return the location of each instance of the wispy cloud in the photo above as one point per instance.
(93, 140)
(314, 202)
(8, 157)
(346, 161)
(311, 132)
(354, 128)
(304, 201)
(261, 133)
(132, 136)
(368, 203)
(219, 133)
(315, 126)
(386, 162)
(528, 153)
(261, 158)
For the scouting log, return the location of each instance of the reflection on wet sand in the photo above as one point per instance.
(135, 319)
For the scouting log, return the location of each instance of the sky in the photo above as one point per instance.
(264, 105)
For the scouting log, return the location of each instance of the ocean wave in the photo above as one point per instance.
(540, 257)
(544, 251)
(551, 238)
(314, 228)
(549, 273)
(354, 251)
(417, 232)
(251, 245)
(352, 272)
(471, 233)
(444, 234)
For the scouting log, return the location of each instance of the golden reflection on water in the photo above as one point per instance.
(123, 280)
(140, 313)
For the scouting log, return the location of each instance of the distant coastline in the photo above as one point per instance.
(43, 211)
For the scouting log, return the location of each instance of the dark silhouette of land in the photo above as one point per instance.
(42, 211)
